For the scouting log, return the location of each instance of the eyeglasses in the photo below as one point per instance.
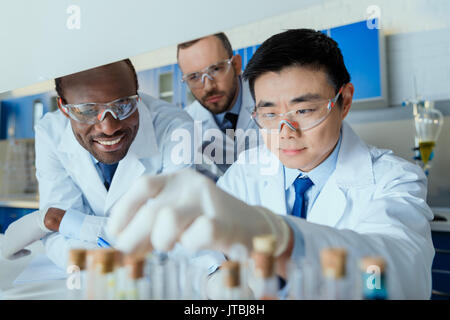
(306, 115)
(196, 80)
(91, 112)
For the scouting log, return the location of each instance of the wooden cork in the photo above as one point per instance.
(231, 270)
(119, 259)
(333, 262)
(264, 264)
(78, 257)
(367, 262)
(135, 266)
(104, 260)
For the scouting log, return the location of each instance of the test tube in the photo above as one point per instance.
(238, 252)
(90, 274)
(303, 280)
(373, 273)
(104, 274)
(231, 279)
(121, 277)
(76, 282)
(137, 284)
(333, 262)
(265, 279)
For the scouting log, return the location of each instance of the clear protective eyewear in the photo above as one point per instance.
(305, 116)
(91, 112)
(196, 80)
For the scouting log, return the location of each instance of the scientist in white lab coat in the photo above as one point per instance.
(223, 100)
(105, 136)
(315, 183)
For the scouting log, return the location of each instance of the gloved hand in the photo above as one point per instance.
(22, 233)
(186, 206)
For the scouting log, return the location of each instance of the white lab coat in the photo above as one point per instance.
(374, 203)
(68, 178)
(226, 144)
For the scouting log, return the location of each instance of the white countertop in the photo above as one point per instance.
(10, 270)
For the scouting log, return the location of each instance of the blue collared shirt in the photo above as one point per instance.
(220, 118)
(319, 176)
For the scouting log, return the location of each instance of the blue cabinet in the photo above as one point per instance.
(9, 215)
(441, 266)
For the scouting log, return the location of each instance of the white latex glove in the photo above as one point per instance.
(186, 206)
(23, 232)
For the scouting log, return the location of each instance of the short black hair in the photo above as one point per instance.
(298, 47)
(220, 35)
(59, 87)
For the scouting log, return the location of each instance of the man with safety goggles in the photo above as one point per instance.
(105, 136)
(213, 75)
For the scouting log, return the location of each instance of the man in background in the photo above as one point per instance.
(223, 100)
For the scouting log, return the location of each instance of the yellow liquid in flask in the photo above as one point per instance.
(425, 148)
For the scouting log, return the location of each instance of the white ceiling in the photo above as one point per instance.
(37, 45)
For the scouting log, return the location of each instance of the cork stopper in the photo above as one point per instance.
(78, 257)
(265, 244)
(135, 266)
(119, 259)
(231, 271)
(104, 260)
(333, 262)
(368, 262)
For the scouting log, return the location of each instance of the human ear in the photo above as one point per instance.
(237, 63)
(64, 110)
(347, 99)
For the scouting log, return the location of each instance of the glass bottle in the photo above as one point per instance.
(76, 281)
(333, 263)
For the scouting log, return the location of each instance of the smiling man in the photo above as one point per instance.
(105, 135)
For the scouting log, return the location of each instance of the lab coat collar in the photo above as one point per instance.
(354, 164)
(353, 170)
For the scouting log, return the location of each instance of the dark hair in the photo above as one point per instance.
(298, 47)
(222, 37)
(59, 88)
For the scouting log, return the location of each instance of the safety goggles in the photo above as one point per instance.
(91, 112)
(196, 80)
(304, 116)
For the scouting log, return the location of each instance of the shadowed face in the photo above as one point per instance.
(279, 92)
(217, 95)
(109, 140)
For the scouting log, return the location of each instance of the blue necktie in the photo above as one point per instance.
(300, 185)
(232, 121)
(108, 171)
